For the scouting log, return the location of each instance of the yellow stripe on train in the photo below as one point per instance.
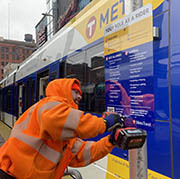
(119, 168)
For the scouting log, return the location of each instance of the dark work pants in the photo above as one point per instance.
(4, 175)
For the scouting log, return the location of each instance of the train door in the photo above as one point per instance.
(28, 93)
(20, 99)
(33, 94)
(62, 69)
(42, 81)
(15, 102)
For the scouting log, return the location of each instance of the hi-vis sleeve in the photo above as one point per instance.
(89, 151)
(58, 121)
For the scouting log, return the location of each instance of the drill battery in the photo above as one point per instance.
(130, 138)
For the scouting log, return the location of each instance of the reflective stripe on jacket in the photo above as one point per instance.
(48, 131)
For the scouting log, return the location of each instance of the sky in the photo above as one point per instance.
(19, 17)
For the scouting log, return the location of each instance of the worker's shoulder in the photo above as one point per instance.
(52, 100)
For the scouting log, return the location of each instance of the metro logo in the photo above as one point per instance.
(91, 27)
(112, 13)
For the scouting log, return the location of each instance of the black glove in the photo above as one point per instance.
(113, 120)
(112, 139)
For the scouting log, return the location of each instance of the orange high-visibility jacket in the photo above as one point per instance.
(48, 137)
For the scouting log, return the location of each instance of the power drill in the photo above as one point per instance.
(127, 135)
(130, 138)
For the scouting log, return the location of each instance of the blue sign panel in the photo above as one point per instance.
(129, 84)
(128, 48)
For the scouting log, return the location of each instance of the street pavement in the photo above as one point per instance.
(1, 140)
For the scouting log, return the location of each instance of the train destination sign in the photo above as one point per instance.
(128, 48)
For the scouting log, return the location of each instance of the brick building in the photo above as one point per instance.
(14, 52)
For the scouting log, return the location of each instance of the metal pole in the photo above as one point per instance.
(138, 163)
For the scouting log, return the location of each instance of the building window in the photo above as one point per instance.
(27, 52)
(13, 53)
(23, 54)
(7, 52)
(2, 52)
(2, 55)
(17, 54)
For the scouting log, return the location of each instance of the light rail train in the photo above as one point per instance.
(126, 55)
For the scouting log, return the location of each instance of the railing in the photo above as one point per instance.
(75, 174)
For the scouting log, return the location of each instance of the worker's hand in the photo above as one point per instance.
(112, 139)
(112, 121)
(105, 114)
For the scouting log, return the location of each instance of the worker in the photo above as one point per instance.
(49, 135)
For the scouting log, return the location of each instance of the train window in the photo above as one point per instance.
(62, 69)
(88, 67)
(15, 100)
(76, 68)
(96, 95)
(94, 91)
(42, 81)
(8, 99)
(53, 75)
(33, 92)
